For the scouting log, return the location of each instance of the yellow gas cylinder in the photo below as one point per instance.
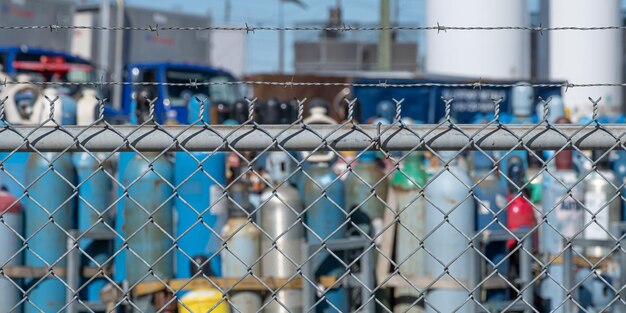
(202, 301)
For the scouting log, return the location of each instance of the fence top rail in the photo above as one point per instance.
(303, 137)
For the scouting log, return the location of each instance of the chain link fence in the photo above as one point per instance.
(306, 212)
(313, 215)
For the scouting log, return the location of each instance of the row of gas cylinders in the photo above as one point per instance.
(336, 206)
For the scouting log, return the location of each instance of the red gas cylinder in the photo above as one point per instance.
(520, 213)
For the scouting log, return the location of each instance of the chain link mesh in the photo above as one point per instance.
(373, 217)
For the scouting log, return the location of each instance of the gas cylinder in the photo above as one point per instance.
(46, 106)
(202, 299)
(318, 109)
(238, 115)
(595, 293)
(24, 104)
(618, 165)
(94, 214)
(69, 113)
(148, 221)
(281, 220)
(242, 250)
(366, 176)
(325, 217)
(200, 205)
(171, 118)
(209, 300)
(13, 177)
(199, 196)
(619, 169)
(318, 114)
(388, 163)
(602, 199)
(119, 263)
(271, 112)
(340, 167)
(386, 109)
(491, 216)
(222, 111)
(556, 109)
(522, 105)
(534, 173)
(520, 213)
(48, 215)
(27, 104)
(86, 107)
(564, 221)
(406, 186)
(239, 112)
(11, 228)
(286, 115)
(448, 193)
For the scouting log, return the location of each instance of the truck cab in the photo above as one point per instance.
(45, 65)
(173, 89)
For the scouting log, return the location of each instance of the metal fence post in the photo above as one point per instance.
(526, 274)
(568, 275)
(72, 273)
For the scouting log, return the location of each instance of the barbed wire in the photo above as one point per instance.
(344, 28)
(383, 84)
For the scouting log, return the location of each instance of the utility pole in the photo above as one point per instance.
(105, 41)
(281, 38)
(384, 42)
(119, 53)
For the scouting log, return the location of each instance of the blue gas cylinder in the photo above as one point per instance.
(366, 210)
(386, 110)
(148, 218)
(522, 105)
(119, 263)
(93, 214)
(68, 108)
(299, 178)
(491, 215)
(595, 292)
(200, 217)
(325, 217)
(13, 177)
(48, 215)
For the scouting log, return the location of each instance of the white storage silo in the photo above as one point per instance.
(583, 57)
(489, 54)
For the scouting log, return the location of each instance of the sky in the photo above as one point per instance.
(263, 46)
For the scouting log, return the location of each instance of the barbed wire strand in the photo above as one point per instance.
(344, 28)
(475, 85)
